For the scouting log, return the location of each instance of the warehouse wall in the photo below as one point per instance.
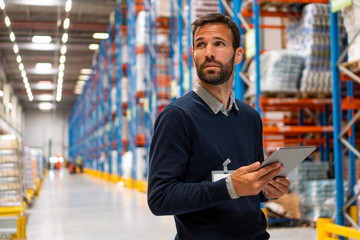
(43, 127)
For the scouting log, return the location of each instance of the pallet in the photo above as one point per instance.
(320, 95)
(273, 6)
(353, 66)
(280, 94)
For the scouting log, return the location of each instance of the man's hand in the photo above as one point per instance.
(277, 187)
(250, 180)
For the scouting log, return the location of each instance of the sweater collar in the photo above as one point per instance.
(214, 104)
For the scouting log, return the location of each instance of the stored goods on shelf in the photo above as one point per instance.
(352, 25)
(280, 71)
(311, 36)
(12, 185)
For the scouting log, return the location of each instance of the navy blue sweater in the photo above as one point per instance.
(190, 142)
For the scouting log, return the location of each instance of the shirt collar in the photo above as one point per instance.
(214, 104)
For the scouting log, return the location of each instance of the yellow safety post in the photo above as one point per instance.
(320, 226)
(326, 229)
(353, 212)
(114, 178)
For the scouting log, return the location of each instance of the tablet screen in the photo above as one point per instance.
(289, 157)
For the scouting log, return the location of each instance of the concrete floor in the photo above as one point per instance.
(77, 207)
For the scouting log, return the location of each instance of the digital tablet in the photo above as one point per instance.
(289, 157)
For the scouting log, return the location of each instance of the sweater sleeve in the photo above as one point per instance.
(261, 154)
(168, 193)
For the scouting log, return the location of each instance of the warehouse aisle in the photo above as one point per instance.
(82, 207)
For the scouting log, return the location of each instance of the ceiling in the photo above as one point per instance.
(45, 18)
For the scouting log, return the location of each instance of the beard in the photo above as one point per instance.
(212, 77)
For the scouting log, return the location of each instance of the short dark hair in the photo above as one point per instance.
(218, 18)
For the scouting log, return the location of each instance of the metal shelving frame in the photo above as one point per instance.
(340, 131)
(118, 81)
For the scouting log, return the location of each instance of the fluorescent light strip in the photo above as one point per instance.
(16, 51)
(7, 21)
(2, 4)
(68, 6)
(66, 23)
(12, 37)
(100, 35)
(65, 38)
(63, 50)
(41, 39)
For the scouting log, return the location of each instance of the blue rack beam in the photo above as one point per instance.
(118, 77)
(337, 114)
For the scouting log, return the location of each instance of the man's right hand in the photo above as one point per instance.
(250, 180)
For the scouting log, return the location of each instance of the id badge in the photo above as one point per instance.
(217, 175)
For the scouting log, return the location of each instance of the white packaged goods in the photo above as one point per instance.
(163, 8)
(202, 7)
(280, 71)
(13, 175)
(113, 99)
(352, 25)
(124, 92)
(140, 163)
(311, 36)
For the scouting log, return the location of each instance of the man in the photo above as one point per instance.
(195, 134)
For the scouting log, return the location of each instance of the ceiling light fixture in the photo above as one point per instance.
(62, 59)
(68, 6)
(16, 49)
(21, 67)
(45, 106)
(41, 39)
(100, 35)
(43, 66)
(7, 21)
(12, 36)
(94, 46)
(66, 23)
(61, 67)
(85, 71)
(83, 77)
(65, 38)
(2, 4)
(63, 49)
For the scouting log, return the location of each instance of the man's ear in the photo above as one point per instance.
(238, 55)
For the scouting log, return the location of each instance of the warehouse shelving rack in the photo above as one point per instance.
(336, 102)
(274, 104)
(340, 132)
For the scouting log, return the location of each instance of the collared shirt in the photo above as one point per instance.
(214, 104)
(217, 106)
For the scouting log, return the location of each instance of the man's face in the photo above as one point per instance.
(213, 53)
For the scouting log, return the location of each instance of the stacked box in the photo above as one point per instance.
(352, 25)
(307, 171)
(280, 71)
(203, 7)
(320, 198)
(311, 36)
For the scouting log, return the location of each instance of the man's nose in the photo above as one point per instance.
(210, 52)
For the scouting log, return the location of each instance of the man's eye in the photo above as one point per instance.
(219, 44)
(199, 45)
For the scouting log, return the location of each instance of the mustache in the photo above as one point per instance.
(210, 60)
